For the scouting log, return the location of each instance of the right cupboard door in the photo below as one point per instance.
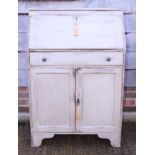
(98, 99)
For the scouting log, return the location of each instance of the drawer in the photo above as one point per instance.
(76, 58)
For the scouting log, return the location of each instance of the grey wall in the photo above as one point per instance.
(128, 7)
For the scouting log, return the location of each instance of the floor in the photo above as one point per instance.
(78, 144)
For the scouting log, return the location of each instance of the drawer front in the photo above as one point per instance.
(76, 58)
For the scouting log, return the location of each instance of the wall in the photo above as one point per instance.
(128, 7)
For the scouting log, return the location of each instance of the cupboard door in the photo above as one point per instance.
(52, 100)
(98, 105)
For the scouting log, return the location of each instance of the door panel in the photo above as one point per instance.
(99, 92)
(52, 98)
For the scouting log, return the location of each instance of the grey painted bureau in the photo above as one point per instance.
(76, 73)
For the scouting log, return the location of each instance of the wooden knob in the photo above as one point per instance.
(108, 59)
(44, 59)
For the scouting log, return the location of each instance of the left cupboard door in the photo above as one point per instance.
(52, 103)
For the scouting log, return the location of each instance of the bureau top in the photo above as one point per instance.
(76, 29)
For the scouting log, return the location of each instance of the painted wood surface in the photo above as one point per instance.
(22, 77)
(22, 60)
(105, 120)
(76, 58)
(23, 41)
(129, 23)
(52, 98)
(130, 42)
(130, 62)
(98, 109)
(64, 99)
(130, 77)
(128, 6)
(76, 29)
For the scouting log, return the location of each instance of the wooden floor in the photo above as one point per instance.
(78, 144)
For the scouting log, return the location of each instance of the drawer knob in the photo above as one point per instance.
(44, 59)
(108, 59)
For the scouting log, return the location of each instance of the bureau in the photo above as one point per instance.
(76, 73)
